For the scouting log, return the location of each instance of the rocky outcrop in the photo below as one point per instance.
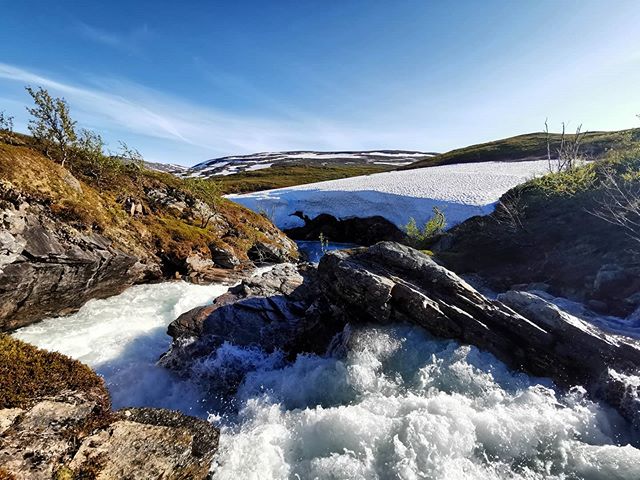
(56, 423)
(359, 230)
(535, 236)
(149, 443)
(281, 309)
(48, 268)
(67, 436)
(67, 236)
(389, 282)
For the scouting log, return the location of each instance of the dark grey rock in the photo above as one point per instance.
(278, 310)
(391, 282)
(223, 258)
(609, 279)
(298, 309)
(49, 269)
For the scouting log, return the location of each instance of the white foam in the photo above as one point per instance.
(396, 404)
(402, 405)
(123, 336)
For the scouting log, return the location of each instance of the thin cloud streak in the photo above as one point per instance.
(129, 107)
(131, 41)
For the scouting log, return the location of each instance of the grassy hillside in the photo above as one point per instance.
(291, 175)
(574, 232)
(529, 147)
(171, 225)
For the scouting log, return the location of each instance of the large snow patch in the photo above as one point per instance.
(461, 191)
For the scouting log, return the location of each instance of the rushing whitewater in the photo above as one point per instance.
(386, 403)
(122, 337)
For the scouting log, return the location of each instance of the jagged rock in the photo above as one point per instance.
(70, 434)
(223, 258)
(56, 423)
(46, 271)
(556, 241)
(38, 440)
(169, 197)
(390, 282)
(150, 443)
(290, 309)
(276, 310)
(61, 244)
(270, 251)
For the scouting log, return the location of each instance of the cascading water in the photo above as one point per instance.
(388, 403)
(122, 337)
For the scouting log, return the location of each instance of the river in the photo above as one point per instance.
(391, 403)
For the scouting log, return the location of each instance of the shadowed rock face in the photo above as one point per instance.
(557, 242)
(388, 283)
(282, 309)
(361, 231)
(47, 269)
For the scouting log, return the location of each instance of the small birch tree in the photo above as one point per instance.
(51, 124)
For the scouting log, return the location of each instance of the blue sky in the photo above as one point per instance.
(187, 81)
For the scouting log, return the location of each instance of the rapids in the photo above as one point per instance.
(386, 402)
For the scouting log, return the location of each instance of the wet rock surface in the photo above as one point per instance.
(47, 269)
(50, 267)
(279, 309)
(388, 283)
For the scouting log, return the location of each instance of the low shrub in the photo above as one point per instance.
(28, 373)
(420, 238)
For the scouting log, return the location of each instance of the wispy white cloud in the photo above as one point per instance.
(131, 41)
(122, 106)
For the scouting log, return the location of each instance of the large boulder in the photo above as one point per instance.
(538, 235)
(390, 282)
(280, 309)
(67, 436)
(56, 422)
(146, 443)
(300, 309)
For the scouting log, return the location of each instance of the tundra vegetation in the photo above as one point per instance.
(69, 170)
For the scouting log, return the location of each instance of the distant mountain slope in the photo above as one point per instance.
(530, 146)
(178, 170)
(258, 161)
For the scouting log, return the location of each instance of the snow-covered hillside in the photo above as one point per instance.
(461, 191)
(258, 161)
(178, 170)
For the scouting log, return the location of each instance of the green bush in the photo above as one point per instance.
(420, 238)
(567, 182)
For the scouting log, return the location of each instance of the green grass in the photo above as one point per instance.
(292, 175)
(100, 207)
(531, 146)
